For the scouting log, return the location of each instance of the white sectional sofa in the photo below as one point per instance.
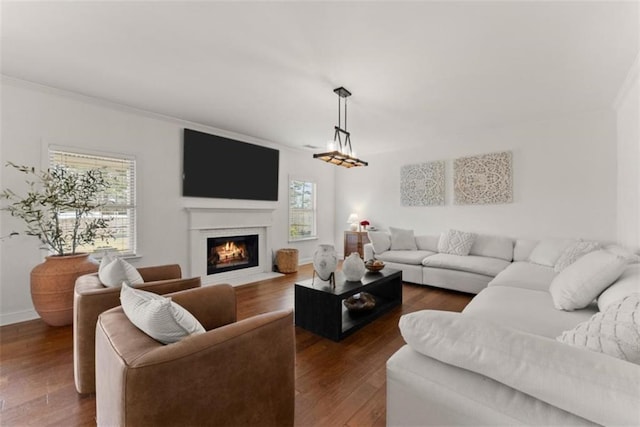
(426, 265)
(501, 362)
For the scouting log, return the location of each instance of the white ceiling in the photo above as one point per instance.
(268, 69)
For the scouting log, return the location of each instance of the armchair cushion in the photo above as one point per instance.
(158, 316)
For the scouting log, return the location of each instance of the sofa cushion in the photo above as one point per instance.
(573, 252)
(581, 282)
(428, 243)
(471, 263)
(158, 316)
(493, 246)
(380, 240)
(402, 239)
(404, 257)
(615, 331)
(113, 271)
(526, 310)
(548, 251)
(522, 274)
(627, 283)
(523, 248)
(456, 242)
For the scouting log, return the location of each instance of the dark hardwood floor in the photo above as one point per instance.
(337, 384)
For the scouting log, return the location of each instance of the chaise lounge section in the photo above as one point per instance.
(514, 357)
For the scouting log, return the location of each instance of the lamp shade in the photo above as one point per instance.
(353, 218)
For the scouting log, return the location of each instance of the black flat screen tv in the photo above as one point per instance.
(223, 168)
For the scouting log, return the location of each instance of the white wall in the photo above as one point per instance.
(627, 108)
(564, 182)
(34, 116)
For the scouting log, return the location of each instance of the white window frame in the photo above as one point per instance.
(131, 207)
(313, 210)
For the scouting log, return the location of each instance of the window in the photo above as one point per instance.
(302, 210)
(120, 198)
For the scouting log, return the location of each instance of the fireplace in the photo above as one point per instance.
(217, 223)
(229, 253)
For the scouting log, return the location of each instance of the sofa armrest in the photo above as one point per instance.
(91, 298)
(238, 374)
(368, 251)
(592, 385)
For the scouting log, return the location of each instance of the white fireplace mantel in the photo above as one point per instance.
(208, 222)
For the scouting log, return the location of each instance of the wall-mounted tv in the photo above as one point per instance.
(223, 168)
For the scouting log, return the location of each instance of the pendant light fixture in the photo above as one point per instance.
(341, 153)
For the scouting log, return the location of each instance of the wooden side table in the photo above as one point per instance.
(354, 242)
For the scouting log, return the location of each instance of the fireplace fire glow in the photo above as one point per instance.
(231, 253)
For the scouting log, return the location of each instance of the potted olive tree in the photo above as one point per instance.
(60, 208)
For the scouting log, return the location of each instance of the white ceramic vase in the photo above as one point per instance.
(325, 261)
(353, 268)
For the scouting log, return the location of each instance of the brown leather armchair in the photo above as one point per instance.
(91, 298)
(237, 373)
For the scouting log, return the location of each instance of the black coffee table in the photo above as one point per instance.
(319, 307)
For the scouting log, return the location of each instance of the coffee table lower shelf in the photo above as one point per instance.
(319, 308)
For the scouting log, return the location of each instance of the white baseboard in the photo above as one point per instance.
(17, 317)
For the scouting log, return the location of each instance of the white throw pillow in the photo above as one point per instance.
(581, 282)
(629, 256)
(113, 271)
(573, 252)
(402, 240)
(627, 284)
(548, 251)
(456, 242)
(615, 332)
(158, 316)
(380, 240)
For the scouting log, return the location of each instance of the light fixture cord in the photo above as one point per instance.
(339, 113)
(345, 126)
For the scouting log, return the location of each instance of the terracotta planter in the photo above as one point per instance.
(52, 284)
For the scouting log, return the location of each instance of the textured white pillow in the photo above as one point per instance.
(113, 271)
(380, 240)
(581, 282)
(548, 251)
(627, 284)
(573, 252)
(615, 332)
(402, 240)
(456, 242)
(158, 316)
